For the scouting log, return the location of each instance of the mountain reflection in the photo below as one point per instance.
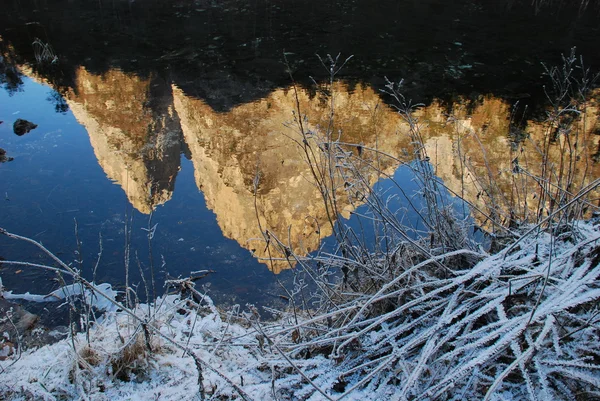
(496, 165)
(133, 130)
(229, 150)
(139, 127)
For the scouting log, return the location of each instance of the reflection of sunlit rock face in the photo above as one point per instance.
(230, 149)
(467, 145)
(135, 127)
(133, 130)
(498, 168)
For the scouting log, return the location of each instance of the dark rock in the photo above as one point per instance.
(21, 127)
(26, 322)
(21, 329)
(3, 157)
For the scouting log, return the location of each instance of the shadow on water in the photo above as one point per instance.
(230, 52)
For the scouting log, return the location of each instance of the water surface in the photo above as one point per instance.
(161, 116)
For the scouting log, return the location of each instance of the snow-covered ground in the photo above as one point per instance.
(520, 324)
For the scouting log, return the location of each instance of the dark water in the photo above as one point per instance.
(230, 52)
(164, 106)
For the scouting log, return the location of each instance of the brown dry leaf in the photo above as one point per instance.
(6, 350)
(296, 336)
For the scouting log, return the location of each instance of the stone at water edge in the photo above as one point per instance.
(22, 329)
(21, 127)
(3, 157)
(7, 349)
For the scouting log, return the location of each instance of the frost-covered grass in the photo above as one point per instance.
(520, 324)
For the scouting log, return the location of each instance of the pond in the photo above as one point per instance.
(166, 129)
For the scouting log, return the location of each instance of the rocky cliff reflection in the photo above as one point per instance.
(497, 166)
(134, 132)
(139, 127)
(255, 140)
(474, 147)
